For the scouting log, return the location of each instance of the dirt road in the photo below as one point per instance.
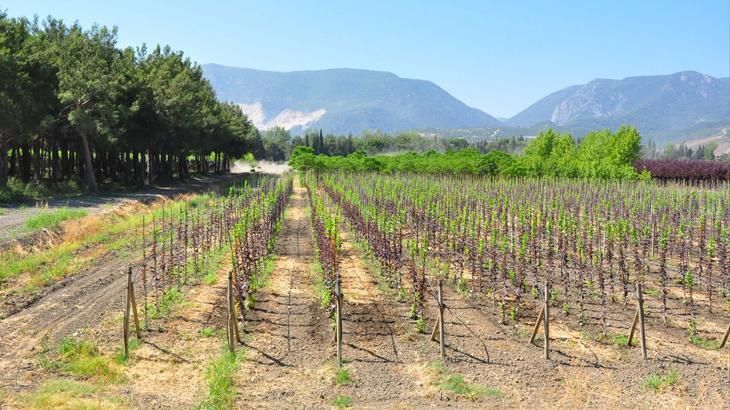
(74, 305)
(13, 218)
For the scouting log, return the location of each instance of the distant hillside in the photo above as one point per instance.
(342, 100)
(666, 108)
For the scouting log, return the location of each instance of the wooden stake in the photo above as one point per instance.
(434, 332)
(442, 342)
(229, 307)
(144, 273)
(634, 324)
(338, 322)
(640, 299)
(133, 301)
(546, 319)
(537, 325)
(234, 318)
(125, 328)
(724, 339)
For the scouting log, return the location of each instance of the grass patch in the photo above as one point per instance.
(653, 292)
(342, 376)
(342, 402)
(82, 359)
(208, 332)
(52, 220)
(709, 344)
(210, 278)
(123, 359)
(616, 339)
(67, 394)
(211, 265)
(221, 390)
(457, 384)
(660, 382)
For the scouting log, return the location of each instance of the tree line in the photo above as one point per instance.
(599, 155)
(277, 144)
(77, 107)
(702, 152)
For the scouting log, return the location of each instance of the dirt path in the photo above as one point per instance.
(382, 350)
(289, 341)
(73, 305)
(12, 219)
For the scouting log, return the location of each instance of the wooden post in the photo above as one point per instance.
(235, 323)
(640, 298)
(442, 342)
(537, 325)
(546, 319)
(634, 324)
(144, 273)
(724, 339)
(434, 332)
(133, 301)
(234, 315)
(338, 319)
(126, 314)
(229, 304)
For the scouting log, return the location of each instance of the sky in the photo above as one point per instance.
(498, 56)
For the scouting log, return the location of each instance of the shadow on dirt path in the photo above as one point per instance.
(289, 340)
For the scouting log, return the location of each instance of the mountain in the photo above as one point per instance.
(666, 108)
(341, 100)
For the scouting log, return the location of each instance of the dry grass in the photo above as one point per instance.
(583, 389)
(79, 229)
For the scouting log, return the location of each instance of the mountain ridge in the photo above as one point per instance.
(353, 99)
(666, 108)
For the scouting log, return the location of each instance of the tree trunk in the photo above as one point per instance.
(55, 164)
(25, 163)
(89, 168)
(3, 166)
(13, 168)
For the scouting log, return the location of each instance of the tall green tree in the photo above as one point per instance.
(89, 86)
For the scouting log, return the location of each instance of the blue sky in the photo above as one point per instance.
(499, 56)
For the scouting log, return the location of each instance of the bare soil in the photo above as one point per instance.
(582, 372)
(289, 345)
